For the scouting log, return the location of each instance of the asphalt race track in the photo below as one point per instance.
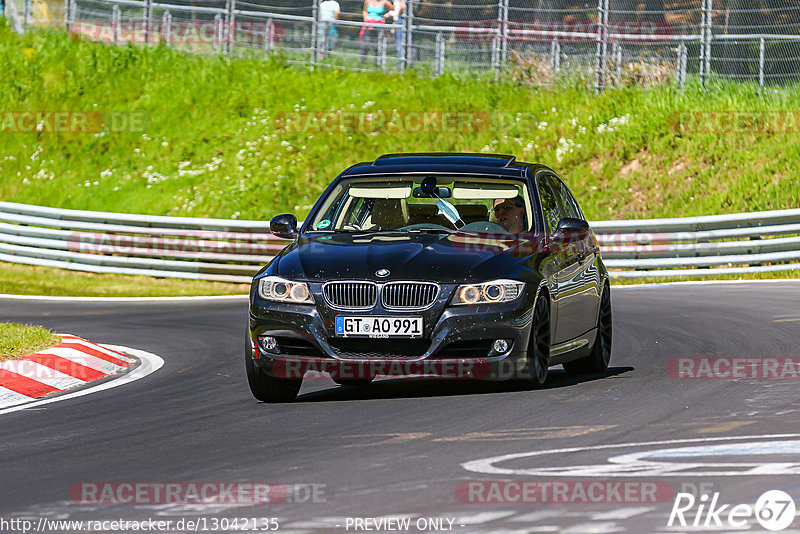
(404, 447)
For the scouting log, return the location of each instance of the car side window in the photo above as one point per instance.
(550, 208)
(571, 208)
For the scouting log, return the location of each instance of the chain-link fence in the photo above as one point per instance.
(599, 43)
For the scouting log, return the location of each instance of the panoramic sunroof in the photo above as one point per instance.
(474, 160)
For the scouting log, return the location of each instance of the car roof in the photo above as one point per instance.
(489, 165)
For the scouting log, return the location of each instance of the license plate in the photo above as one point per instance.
(372, 326)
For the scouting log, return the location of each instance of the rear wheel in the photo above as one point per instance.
(268, 388)
(598, 359)
(539, 343)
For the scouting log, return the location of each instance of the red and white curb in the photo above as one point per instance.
(73, 363)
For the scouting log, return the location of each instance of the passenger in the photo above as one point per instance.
(375, 12)
(510, 213)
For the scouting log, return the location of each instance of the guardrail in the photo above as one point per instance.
(701, 246)
(232, 251)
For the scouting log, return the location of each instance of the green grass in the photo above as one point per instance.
(33, 280)
(18, 340)
(210, 146)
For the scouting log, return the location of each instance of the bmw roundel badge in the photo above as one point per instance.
(383, 273)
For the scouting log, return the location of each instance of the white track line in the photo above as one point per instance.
(150, 364)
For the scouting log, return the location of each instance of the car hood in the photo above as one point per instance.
(448, 258)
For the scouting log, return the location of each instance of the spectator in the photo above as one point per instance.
(510, 213)
(375, 12)
(329, 11)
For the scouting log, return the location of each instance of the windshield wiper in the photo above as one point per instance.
(430, 231)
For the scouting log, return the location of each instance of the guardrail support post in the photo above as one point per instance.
(496, 55)
(230, 26)
(439, 63)
(682, 60)
(705, 45)
(217, 32)
(315, 40)
(555, 56)
(67, 14)
(616, 51)
(602, 44)
(269, 35)
(503, 23)
(166, 23)
(148, 14)
(762, 54)
(382, 45)
(116, 21)
(408, 35)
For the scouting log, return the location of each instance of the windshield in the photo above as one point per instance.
(425, 203)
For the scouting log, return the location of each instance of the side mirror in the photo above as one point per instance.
(284, 226)
(571, 229)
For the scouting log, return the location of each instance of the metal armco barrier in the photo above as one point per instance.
(232, 251)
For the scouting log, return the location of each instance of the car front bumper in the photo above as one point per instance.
(457, 341)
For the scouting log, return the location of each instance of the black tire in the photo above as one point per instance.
(268, 388)
(539, 344)
(599, 358)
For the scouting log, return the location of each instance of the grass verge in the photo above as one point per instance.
(18, 340)
(17, 279)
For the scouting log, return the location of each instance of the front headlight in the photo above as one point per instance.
(279, 289)
(488, 293)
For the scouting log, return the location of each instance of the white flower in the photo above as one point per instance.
(565, 146)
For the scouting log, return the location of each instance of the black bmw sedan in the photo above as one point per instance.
(466, 266)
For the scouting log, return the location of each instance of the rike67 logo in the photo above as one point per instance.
(774, 510)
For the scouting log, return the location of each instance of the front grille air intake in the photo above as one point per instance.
(351, 295)
(409, 295)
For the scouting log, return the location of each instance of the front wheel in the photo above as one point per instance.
(539, 344)
(268, 388)
(599, 358)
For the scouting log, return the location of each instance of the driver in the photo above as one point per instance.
(510, 213)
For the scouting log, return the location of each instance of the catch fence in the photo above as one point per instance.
(542, 42)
